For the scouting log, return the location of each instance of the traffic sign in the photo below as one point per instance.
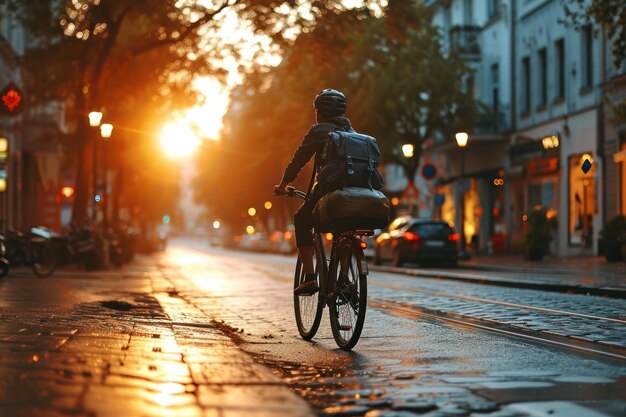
(429, 171)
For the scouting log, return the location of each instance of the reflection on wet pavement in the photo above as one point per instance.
(401, 366)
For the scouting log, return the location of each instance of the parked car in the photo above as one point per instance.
(424, 241)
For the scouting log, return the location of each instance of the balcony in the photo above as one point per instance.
(493, 123)
(464, 39)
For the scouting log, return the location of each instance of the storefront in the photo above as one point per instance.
(583, 199)
(559, 171)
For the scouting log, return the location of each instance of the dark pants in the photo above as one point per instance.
(303, 220)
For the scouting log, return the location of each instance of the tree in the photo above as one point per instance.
(127, 56)
(400, 86)
(610, 15)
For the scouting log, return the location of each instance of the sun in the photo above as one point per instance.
(179, 140)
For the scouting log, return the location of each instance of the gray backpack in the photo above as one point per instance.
(349, 159)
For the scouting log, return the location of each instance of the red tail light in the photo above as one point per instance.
(411, 237)
(454, 237)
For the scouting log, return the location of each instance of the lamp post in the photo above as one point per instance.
(408, 150)
(106, 129)
(95, 118)
(461, 141)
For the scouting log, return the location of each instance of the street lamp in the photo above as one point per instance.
(95, 118)
(461, 141)
(408, 150)
(106, 129)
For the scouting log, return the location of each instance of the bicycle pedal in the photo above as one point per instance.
(345, 327)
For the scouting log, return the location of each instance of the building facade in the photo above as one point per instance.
(30, 166)
(546, 85)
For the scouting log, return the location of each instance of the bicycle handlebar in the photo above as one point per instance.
(292, 193)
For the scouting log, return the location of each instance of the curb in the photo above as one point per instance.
(610, 292)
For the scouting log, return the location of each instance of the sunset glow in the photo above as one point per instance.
(179, 140)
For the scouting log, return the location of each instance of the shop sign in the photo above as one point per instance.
(543, 166)
(12, 99)
(4, 149)
(525, 148)
(550, 142)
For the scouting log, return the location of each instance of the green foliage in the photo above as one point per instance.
(609, 14)
(135, 60)
(613, 236)
(537, 237)
(389, 67)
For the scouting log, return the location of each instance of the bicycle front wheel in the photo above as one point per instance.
(348, 301)
(308, 308)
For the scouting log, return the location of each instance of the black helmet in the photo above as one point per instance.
(330, 102)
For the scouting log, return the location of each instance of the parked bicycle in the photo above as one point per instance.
(34, 249)
(347, 300)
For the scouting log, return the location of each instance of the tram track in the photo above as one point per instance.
(496, 302)
(571, 343)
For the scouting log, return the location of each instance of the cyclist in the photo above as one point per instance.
(330, 107)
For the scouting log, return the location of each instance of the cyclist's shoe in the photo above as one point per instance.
(308, 287)
(347, 290)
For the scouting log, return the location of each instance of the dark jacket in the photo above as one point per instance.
(313, 144)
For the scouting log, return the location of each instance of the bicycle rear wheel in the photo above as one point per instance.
(46, 258)
(308, 308)
(348, 302)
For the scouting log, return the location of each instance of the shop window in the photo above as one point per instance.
(473, 212)
(582, 200)
(623, 182)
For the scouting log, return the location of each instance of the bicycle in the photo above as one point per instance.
(34, 249)
(347, 302)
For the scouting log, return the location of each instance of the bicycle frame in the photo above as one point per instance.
(320, 253)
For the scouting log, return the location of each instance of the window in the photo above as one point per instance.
(470, 85)
(582, 201)
(495, 91)
(543, 77)
(468, 12)
(559, 53)
(587, 56)
(492, 8)
(526, 98)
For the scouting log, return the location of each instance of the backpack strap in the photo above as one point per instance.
(316, 162)
(370, 166)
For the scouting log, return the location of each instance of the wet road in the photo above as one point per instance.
(429, 346)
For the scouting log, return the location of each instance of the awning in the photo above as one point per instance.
(620, 156)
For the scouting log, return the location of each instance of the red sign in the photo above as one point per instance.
(410, 191)
(543, 166)
(12, 99)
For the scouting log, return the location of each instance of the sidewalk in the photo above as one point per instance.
(587, 271)
(123, 343)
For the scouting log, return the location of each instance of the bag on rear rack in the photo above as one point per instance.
(352, 208)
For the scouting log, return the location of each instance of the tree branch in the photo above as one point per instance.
(208, 16)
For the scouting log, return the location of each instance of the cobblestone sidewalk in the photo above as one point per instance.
(123, 343)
